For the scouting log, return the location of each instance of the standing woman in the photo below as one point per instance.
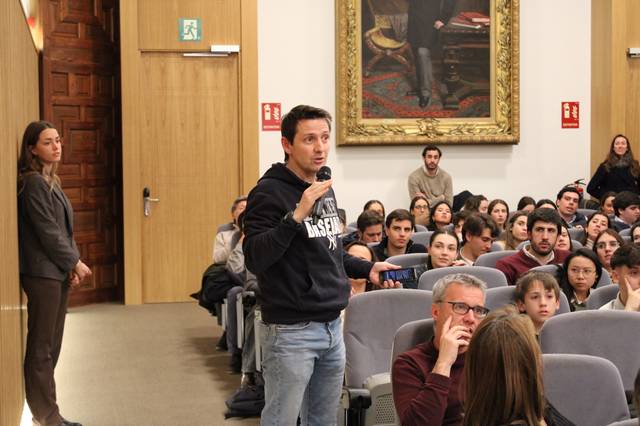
(49, 264)
(618, 172)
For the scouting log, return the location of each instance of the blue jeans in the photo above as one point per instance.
(303, 370)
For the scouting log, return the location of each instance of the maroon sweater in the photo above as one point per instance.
(518, 264)
(424, 398)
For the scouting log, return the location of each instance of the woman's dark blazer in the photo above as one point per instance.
(45, 230)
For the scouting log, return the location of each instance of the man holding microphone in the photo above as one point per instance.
(302, 269)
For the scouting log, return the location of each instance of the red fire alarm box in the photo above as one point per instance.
(570, 115)
(271, 116)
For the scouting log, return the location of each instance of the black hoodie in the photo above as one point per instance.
(301, 269)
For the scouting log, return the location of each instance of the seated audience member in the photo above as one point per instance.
(636, 394)
(439, 216)
(342, 215)
(635, 233)
(370, 225)
(478, 233)
(580, 273)
(526, 204)
(376, 206)
(626, 269)
(419, 208)
(443, 249)
(626, 207)
(226, 240)
(564, 239)
(605, 245)
(476, 204)
(568, 200)
(398, 231)
(499, 211)
(516, 232)
(538, 296)
(363, 251)
(458, 221)
(597, 223)
(543, 227)
(503, 382)
(606, 203)
(546, 203)
(426, 380)
(430, 179)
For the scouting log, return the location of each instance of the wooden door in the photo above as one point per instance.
(183, 142)
(80, 85)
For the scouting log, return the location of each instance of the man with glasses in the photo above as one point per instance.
(426, 379)
(543, 228)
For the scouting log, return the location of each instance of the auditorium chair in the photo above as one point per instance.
(422, 238)
(500, 296)
(614, 335)
(625, 232)
(586, 389)
(370, 324)
(492, 277)
(576, 233)
(489, 259)
(586, 212)
(601, 296)
(421, 228)
(408, 260)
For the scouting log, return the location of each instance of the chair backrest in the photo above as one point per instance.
(501, 296)
(410, 335)
(576, 233)
(608, 334)
(370, 323)
(522, 244)
(421, 228)
(601, 296)
(422, 237)
(407, 260)
(495, 247)
(586, 212)
(629, 422)
(372, 245)
(577, 245)
(489, 259)
(586, 389)
(353, 225)
(349, 229)
(551, 269)
(626, 238)
(605, 279)
(625, 232)
(492, 277)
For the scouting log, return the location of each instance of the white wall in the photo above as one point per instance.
(296, 65)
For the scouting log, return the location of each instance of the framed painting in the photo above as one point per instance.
(427, 71)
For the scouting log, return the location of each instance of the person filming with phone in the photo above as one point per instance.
(292, 244)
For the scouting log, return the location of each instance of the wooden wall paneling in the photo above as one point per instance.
(632, 104)
(18, 106)
(159, 21)
(80, 96)
(249, 127)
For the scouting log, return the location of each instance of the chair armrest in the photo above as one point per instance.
(355, 398)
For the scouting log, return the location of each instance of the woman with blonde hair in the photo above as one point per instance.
(49, 264)
(503, 374)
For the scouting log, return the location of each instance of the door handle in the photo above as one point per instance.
(147, 200)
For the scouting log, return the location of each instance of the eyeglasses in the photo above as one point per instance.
(462, 308)
(421, 207)
(603, 245)
(584, 271)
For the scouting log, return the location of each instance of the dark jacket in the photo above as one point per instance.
(301, 268)
(45, 230)
(617, 179)
(422, 14)
(381, 249)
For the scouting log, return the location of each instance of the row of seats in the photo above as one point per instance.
(372, 345)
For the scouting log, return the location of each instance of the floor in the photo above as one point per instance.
(144, 365)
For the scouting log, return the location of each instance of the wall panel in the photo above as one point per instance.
(18, 106)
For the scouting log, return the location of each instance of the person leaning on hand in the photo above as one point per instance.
(49, 264)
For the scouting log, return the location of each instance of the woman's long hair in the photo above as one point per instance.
(28, 163)
(503, 372)
(614, 160)
(510, 242)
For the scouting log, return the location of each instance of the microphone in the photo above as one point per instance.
(323, 174)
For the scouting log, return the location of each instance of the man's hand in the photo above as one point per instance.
(633, 299)
(309, 197)
(74, 281)
(450, 342)
(438, 24)
(82, 271)
(374, 275)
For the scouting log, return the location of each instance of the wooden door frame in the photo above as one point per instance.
(131, 153)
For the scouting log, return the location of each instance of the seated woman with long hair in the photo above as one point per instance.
(443, 249)
(605, 245)
(503, 374)
(516, 232)
(419, 209)
(439, 216)
(596, 223)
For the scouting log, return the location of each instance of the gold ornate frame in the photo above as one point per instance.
(501, 127)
